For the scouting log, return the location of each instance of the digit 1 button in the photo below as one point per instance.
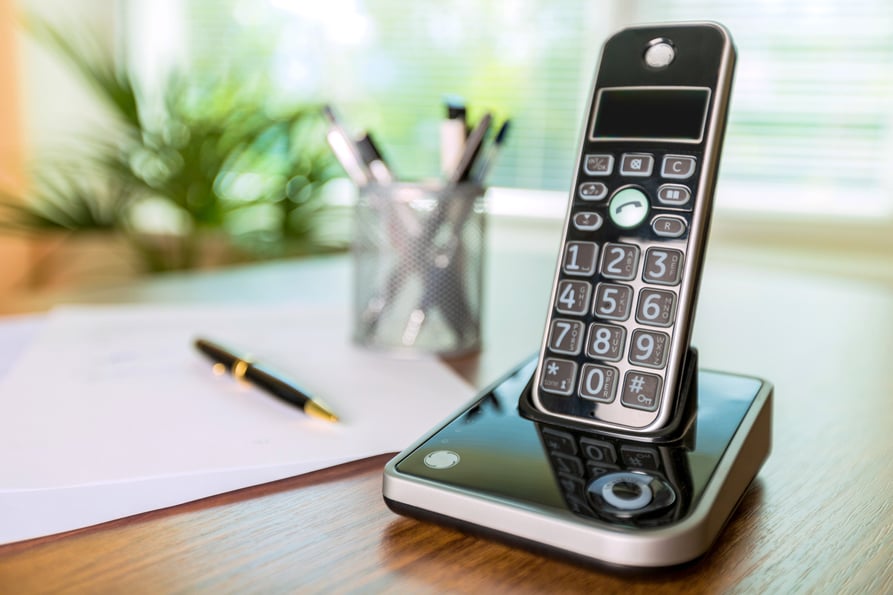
(628, 208)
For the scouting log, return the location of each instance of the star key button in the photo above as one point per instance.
(558, 376)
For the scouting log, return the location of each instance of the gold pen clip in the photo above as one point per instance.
(239, 369)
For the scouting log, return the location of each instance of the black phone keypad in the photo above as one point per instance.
(616, 302)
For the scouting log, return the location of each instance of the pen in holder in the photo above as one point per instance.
(418, 263)
(418, 247)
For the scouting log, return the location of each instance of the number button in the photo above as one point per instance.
(662, 266)
(648, 348)
(558, 376)
(598, 383)
(612, 301)
(573, 297)
(620, 261)
(640, 391)
(566, 336)
(656, 307)
(606, 342)
(579, 258)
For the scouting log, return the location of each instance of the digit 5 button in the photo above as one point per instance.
(628, 208)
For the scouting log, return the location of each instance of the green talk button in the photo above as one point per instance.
(628, 208)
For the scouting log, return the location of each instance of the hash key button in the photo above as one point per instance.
(640, 390)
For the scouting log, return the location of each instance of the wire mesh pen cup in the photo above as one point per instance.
(418, 256)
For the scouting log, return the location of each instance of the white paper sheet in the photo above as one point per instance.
(15, 334)
(111, 411)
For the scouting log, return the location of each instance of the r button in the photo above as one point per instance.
(668, 227)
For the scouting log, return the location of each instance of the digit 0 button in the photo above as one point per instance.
(628, 208)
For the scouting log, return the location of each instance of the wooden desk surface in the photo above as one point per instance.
(818, 518)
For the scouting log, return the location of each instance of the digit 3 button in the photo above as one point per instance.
(628, 207)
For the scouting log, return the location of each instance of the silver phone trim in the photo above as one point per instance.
(601, 543)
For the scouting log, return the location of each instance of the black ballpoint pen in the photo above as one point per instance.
(246, 370)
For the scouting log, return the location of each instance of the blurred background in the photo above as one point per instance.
(142, 136)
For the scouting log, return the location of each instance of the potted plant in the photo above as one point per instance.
(206, 163)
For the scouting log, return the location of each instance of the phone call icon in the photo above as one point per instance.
(628, 208)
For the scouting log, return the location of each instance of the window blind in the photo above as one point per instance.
(388, 64)
(811, 114)
(812, 104)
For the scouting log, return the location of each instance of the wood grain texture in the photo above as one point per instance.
(819, 517)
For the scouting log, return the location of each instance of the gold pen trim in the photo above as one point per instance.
(240, 368)
(314, 409)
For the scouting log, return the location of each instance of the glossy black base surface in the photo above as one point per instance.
(593, 496)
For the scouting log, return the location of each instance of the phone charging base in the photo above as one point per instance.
(496, 471)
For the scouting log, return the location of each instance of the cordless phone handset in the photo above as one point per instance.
(626, 285)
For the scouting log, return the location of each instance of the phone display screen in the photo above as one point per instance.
(651, 113)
